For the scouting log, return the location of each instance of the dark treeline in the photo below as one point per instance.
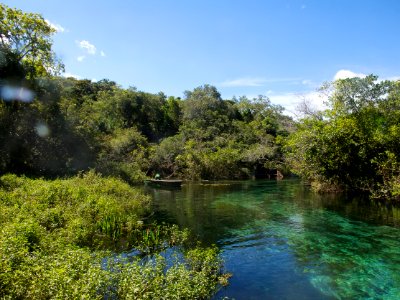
(54, 126)
(134, 134)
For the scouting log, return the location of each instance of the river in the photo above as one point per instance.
(282, 241)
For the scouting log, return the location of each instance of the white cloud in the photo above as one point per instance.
(102, 53)
(316, 99)
(343, 74)
(291, 101)
(67, 74)
(394, 78)
(55, 26)
(91, 49)
(80, 58)
(307, 82)
(284, 99)
(242, 82)
(254, 81)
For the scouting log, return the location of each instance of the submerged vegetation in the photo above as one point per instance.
(59, 237)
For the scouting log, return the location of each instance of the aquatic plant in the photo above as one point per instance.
(56, 234)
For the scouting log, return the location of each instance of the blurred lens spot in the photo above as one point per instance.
(9, 93)
(42, 130)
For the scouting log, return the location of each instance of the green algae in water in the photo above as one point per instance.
(281, 241)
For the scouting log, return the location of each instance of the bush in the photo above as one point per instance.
(56, 238)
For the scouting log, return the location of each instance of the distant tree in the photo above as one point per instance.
(81, 88)
(105, 85)
(351, 95)
(172, 116)
(202, 104)
(205, 114)
(354, 144)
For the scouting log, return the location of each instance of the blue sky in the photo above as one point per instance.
(282, 49)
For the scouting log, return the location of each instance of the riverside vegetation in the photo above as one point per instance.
(66, 238)
(57, 238)
(55, 127)
(353, 145)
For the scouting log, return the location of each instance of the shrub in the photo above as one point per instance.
(56, 238)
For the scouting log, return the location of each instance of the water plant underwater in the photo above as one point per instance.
(55, 236)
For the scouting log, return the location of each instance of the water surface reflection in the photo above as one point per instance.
(282, 241)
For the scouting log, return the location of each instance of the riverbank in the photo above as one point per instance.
(56, 234)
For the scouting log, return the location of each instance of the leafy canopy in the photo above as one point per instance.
(28, 37)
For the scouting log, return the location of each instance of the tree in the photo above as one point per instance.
(205, 114)
(354, 145)
(34, 137)
(28, 37)
(351, 95)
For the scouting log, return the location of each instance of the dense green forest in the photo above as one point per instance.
(55, 126)
(133, 134)
(125, 132)
(100, 137)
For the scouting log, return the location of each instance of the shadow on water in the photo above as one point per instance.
(282, 241)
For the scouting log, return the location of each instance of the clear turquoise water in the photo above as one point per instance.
(282, 241)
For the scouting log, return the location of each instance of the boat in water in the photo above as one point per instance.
(167, 183)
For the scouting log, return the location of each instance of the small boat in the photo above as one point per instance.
(164, 182)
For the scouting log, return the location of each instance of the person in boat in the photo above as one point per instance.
(157, 177)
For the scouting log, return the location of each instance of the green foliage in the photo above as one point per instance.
(11, 71)
(388, 166)
(352, 95)
(172, 109)
(55, 237)
(194, 278)
(205, 114)
(355, 144)
(77, 207)
(36, 138)
(222, 139)
(130, 134)
(124, 155)
(28, 37)
(153, 238)
(72, 125)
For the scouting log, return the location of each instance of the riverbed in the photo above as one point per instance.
(282, 241)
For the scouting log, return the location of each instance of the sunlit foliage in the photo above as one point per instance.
(56, 238)
(354, 145)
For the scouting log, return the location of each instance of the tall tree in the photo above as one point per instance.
(205, 114)
(28, 37)
(355, 144)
